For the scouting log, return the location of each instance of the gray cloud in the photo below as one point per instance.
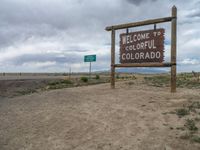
(21, 20)
(194, 14)
(73, 28)
(69, 58)
(61, 58)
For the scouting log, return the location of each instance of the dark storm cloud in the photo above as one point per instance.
(138, 2)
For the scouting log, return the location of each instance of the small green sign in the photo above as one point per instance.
(89, 58)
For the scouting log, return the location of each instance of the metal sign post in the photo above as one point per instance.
(90, 70)
(144, 48)
(90, 58)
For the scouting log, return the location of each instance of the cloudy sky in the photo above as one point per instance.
(53, 35)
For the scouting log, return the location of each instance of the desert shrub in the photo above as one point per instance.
(134, 77)
(194, 105)
(183, 80)
(66, 82)
(117, 76)
(182, 112)
(190, 124)
(84, 79)
(59, 84)
(158, 81)
(97, 77)
(53, 83)
(64, 74)
(196, 139)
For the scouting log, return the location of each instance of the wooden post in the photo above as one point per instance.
(173, 49)
(113, 59)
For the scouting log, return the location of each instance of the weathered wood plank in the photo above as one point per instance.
(140, 23)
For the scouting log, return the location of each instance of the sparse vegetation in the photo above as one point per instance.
(196, 139)
(192, 133)
(190, 125)
(66, 82)
(125, 77)
(26, 92)
(84, 79)
(190, 136)
(184, 80)
(195, 105)
(159, 81)
(59, 84)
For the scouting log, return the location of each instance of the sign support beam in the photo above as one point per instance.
(173, 49)
(113, 58)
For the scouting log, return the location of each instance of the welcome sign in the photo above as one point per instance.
(142, 46)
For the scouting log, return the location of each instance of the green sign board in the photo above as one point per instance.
(89, 58)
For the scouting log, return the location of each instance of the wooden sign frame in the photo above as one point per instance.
(172, 64)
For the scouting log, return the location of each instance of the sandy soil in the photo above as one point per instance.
(131, 117)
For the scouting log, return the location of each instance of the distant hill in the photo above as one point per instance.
(138, 70)
(142, 70)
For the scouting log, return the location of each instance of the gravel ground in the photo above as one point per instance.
(131, 117)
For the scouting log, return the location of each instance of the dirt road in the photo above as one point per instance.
(131, 117)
